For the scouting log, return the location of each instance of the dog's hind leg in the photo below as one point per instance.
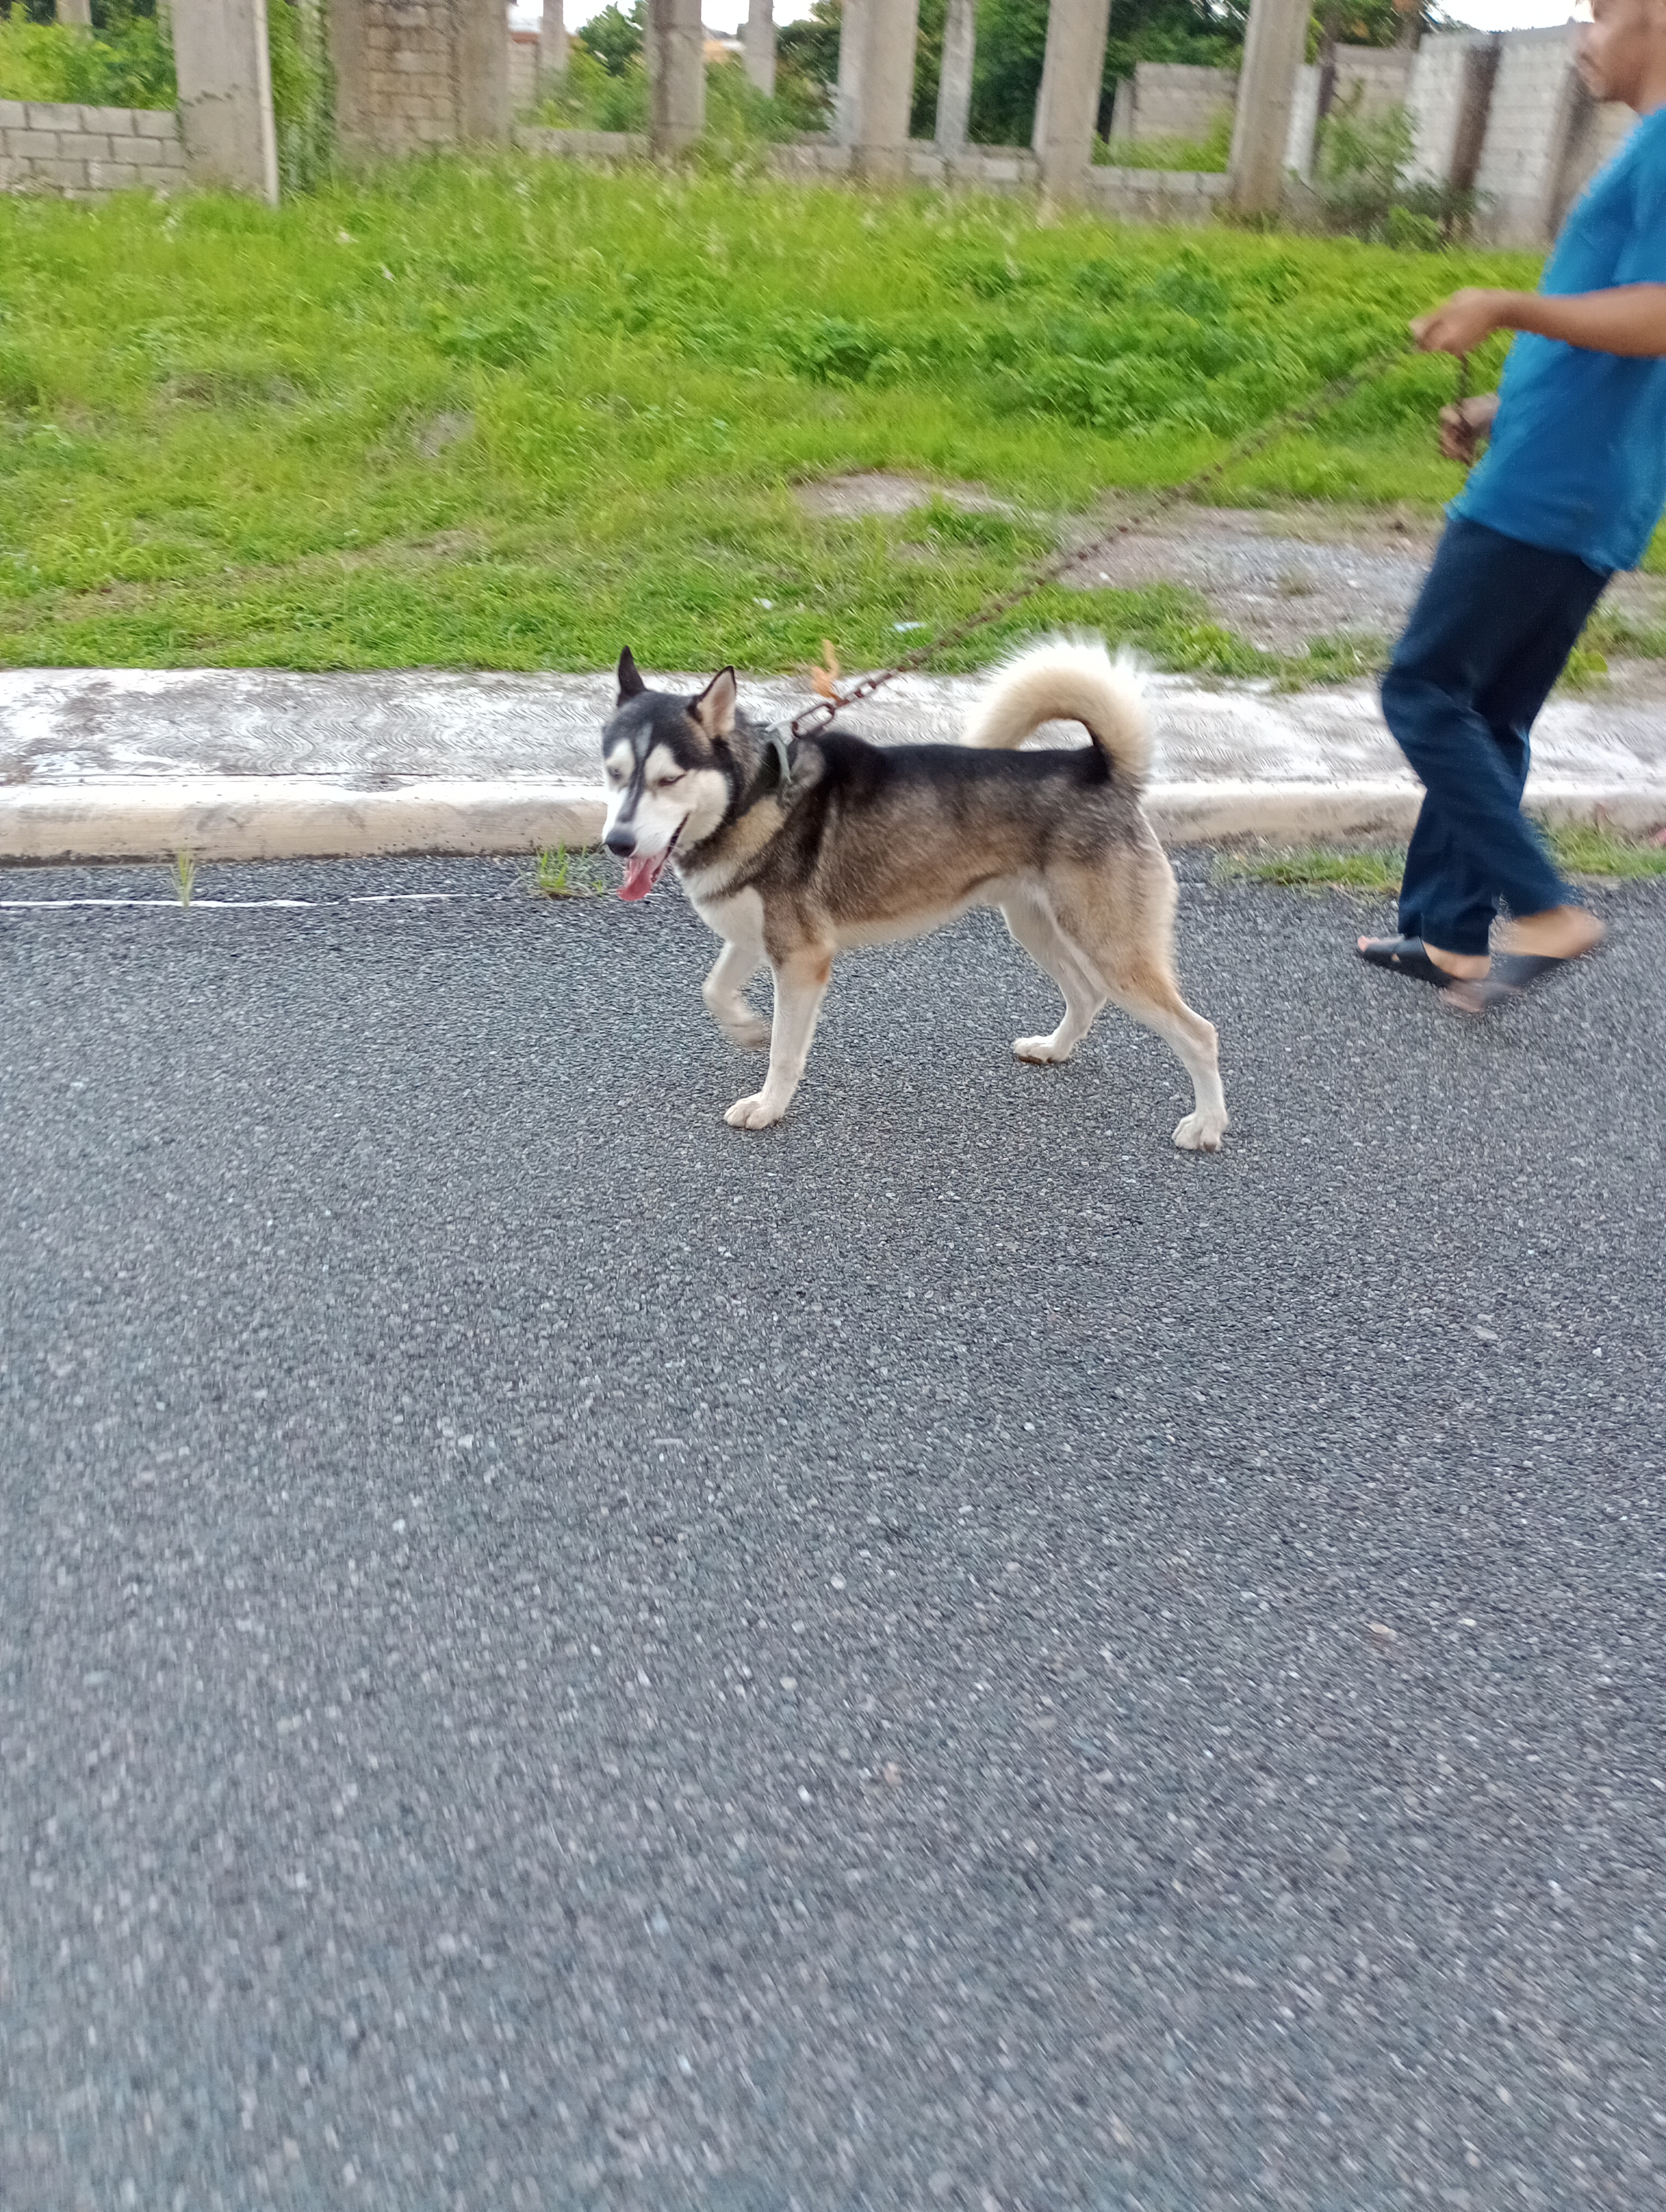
(1030, 920)
(1125, 929)
(1153, 996)
(801, 979)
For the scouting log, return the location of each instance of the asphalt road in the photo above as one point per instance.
(556, 1654)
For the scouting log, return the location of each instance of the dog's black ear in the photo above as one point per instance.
(631, 681)
(715, 708)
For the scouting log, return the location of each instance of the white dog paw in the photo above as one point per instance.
(752, 1030)
(1041, 1050)
(753, 1112)
(1198, 1133)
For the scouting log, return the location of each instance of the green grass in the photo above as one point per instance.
(739, 121)
(1582, 850)
(516, 414)
(1318, 867)
(1208, 153)
(559, 873)
(129, 65)
(1585, 849)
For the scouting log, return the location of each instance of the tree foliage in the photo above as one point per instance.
(614, 38)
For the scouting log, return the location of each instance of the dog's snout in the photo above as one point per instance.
(621, 842)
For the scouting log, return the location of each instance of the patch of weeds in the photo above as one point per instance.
(1610, 632)
(1373, 873)
(1208, 153)
(1586, 668)
(184, 877)
(1341, 658)
(561, 873)
(1581, 848)
(1586, 848)
(127, 62)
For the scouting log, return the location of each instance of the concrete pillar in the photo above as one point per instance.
(224, 74)
(674, 50)
(760, 43)
(480, 59)
(876, 83)
(1068, 106)
(1124, 108)
(954, 83)
(551, 44)
(1272, 52)
(1301, 146)
(77, 13)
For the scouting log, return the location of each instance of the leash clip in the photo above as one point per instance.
(780, 740)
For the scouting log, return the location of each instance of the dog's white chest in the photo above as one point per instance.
(736, 916)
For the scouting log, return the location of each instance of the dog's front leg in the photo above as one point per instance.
(801, 985)
(724, 993)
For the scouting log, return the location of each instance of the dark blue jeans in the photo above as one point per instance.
(1491, 632)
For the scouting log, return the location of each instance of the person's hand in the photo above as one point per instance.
(1462, 427)
(1463, 322)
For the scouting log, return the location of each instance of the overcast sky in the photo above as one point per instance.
(1485, 15)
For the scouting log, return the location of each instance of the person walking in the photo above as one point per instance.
(1572, 485)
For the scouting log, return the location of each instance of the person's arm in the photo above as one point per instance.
(1631, 318)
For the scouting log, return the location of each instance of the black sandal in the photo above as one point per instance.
(1512, 976)
(1406, 957)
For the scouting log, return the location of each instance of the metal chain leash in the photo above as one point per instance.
(815, 717)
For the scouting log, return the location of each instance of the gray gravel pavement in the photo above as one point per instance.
(554, 1654)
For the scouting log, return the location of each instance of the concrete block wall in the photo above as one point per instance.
(1124, 195)
(1543, 139)
(1380, 75)
(411, 74)
(1434, 101)
(1527, 126)
(606, 146)
(1177, 100)
(523, 70)
(1155, 195)
(1172, 100)
(1611, 124)
(808, 159)
(52, 146)
(986, 168)
(1591, 134)
(404, 98)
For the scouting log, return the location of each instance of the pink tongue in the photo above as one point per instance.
(640, 876)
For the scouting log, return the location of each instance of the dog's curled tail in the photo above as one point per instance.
(1067, 679)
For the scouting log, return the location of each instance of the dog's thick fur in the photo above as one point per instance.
(858, 844)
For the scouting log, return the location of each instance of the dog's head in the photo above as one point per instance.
(668, 771)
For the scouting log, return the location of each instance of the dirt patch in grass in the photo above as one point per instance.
(1288, 578)
(881, 491)
(1280, 588)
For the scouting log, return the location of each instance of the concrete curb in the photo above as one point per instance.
(294, 817)
(261, 818)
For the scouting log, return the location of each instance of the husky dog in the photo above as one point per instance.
(794, 857)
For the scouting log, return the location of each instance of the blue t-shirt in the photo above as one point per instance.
(1578, 458)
